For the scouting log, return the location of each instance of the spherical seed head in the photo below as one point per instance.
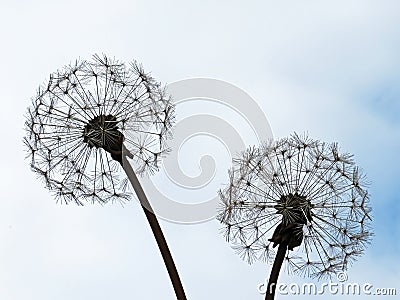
(300, 192)
(84, 118)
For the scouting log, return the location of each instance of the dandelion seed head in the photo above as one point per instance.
(81, 117)
(301, 192)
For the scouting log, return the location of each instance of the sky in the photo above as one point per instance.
(329, 68)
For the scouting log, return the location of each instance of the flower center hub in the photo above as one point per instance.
(294, 208)
(102, 132)
(296, 212)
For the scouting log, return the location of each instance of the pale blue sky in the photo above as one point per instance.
(328, 68)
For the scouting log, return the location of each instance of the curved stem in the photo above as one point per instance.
(157, 232)
(273, 278)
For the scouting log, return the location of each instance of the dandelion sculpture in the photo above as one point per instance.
(302, 196)
(84, 124)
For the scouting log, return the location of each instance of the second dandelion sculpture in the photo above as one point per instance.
(301, 196)
(83, 125)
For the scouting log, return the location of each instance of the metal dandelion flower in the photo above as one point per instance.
(302, 195)
(84, 124)
(84, 117)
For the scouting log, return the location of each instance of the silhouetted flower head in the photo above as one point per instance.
(300, 192)
(82, 120)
